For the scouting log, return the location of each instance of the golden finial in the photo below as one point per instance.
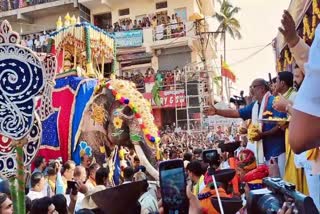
(73, 20)
(67, 20)
(59, 23)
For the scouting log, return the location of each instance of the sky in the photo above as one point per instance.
(259, 20)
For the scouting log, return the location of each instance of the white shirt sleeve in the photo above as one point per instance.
(300, 53)
(308, 98)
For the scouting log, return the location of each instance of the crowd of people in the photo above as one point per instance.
(164, 26)
(37, 42)
(15, 4)
(47, 187)
(168, 79)
(275, 149)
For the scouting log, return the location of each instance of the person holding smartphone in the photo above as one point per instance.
(175, 191)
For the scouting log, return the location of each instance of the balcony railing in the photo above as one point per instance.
(169, 31)
(6, 5)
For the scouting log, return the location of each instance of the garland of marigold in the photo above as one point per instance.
(126, 94)
(288, 59)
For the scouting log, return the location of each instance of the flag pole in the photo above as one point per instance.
(221, 73)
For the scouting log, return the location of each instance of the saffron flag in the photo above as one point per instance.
(226, 72)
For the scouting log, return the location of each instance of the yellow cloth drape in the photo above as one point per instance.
(293, 174)
(312, 154)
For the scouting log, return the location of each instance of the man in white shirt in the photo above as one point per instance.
(304, 126)
(80, 176)
(37, 186)
(305, 121)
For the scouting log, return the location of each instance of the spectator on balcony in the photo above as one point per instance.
(168, 27)
(116, 27)
(23, 41)
(135, 24)
(30, 42)
(169, 80)
(110, 28)
(149, 77)
(129, 24)
(160, 29)
(174, 24)
(148, 23)
(154, 22)
(123, 26)
(180, 23)
(37, 44)
(139, 27)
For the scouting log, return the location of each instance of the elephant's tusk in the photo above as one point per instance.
(150, 169)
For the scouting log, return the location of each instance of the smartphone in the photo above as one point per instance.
(173, 187)
(71, 186)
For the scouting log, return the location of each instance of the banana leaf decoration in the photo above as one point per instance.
(156, 90)
(217, 81)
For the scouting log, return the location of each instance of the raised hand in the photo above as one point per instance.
(210, 110)
(288, 29)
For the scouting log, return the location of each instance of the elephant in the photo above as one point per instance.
(108, 123)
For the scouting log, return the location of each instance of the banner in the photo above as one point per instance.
(222, 121)
(133, 38)
(169, 99)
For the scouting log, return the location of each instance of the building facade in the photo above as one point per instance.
(152, 37)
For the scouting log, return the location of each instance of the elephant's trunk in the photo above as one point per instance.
(144, 153)
(145, 161)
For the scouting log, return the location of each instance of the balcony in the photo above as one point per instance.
(16, 4)
(171, 35)
(169, 31)
(15, 10)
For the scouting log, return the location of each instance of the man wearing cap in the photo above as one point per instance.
(269, 138)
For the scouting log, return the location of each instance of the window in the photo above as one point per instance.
(161, 5)
(181, 13)
(138, 18)
(103, 21)
(124, 12)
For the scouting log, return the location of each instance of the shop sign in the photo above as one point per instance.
(169, 99)
(132, 38)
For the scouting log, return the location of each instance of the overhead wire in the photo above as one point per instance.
(251, 55)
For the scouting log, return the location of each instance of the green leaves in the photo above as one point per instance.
(135, 137)
(228, 23)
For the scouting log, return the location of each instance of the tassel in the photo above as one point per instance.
(90, 72)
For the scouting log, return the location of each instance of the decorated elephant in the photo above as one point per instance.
(118, 115)
(99, 117)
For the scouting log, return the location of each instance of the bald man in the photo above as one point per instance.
(80, 175)
(270, 139)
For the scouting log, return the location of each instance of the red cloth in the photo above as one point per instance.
(260, 172)
(149, 79)
(62, 100)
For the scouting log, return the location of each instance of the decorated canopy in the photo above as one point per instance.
(84, 47)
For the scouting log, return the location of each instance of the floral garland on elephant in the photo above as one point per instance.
(118, 115)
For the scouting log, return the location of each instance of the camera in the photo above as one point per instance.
(270, 199)
(211, 157)
(240, 101)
